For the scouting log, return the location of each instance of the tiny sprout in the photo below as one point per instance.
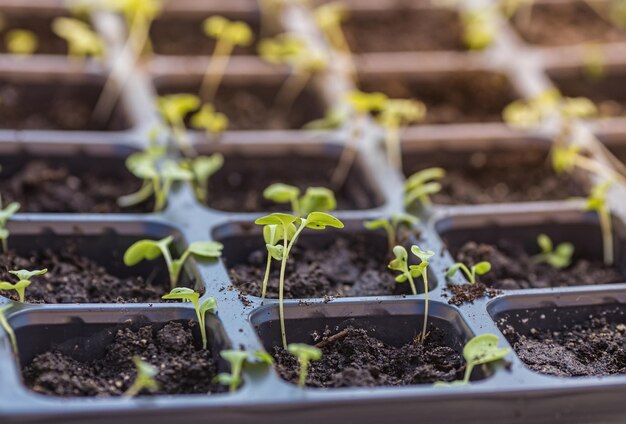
(203, 168)
(151, 249)
(188, 295)
(305, 355)
(5, 216)
(237, 360)
(273, 235)
(82, 41)
(24, 278)
(597, 202)
(174, 108)
(315, 221)
(145, 379)
(481, 268)
(392, 226)
(208, 119)
(318, 199)
(421, 185)
(409, 272)
(396, 114)
(21, 42)
(479, 28)
(228, 34)
(558, 258)
(4, 323)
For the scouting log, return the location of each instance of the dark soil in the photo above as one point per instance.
(404, 30)
(183, 367)
(594, 347)
(239, 185)
(72, 278)
(505, 182)
(453, 98)
(343, 268)
(53, 105)
(361, 360)
(48, 42)
(563, 23)
(468, 293)
(48, 187)
(513, 268)
(184, 36)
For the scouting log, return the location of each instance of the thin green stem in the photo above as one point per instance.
(411, 282)
(281, 285)
(289, 91)
(5, 245)
(267, 276)
(394, 152)
(348, 154)
(7, 328)
(468, 372)
(236, 377)
(182, 140)
(391, 235)
(170, 265)
(215, 70)
(425, 327)
(304, 367)
(607, 234)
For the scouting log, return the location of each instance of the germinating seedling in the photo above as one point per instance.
(145, 379)
(5, 216)
(318, 199)
(410, 272)
(559, 258)
(4, 323)
(174, 108)
(24, 278)
(210, 120)
(315, 221)
(152, 249)
(82, 41)
(597, 202)
(21, 42)
(479, 27)
(421, 185)
(228, 34)
(392, 226)
(305, 355)
(481, 268)
(203, 168)
(329, 17)
(188, 295)
(273, 235)
(237, 359)
(397, 114)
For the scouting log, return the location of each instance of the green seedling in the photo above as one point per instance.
(188, 295)
(362, 104)
(174, 108)
(318, 199)
(597, 202)
(481, 268)
(228, 34)
(21, 42)
(82, 41)
(479, 27)
(315, 221)
(5, 216)
(145, 379)
(4, 323)
(392, 226)
(480, 350)
(24, 278)
(203, 168)
(304, 62)
(559, 258)
(334, 118)
(421, 185)
(410, 272)
(237, 359)
(210, 120)
(305, 355)
(397, 114)
(328, 18)
(273, 235)
(152, 249)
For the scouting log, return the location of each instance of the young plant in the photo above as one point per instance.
(318, 199)
(21, 42)
(203, 168)
(328, 18)
(410, 272)
(228, 34)
(24, 278)
(273, 235)
(174, 108)
(5, 216)
(315, 221)
(362, 104)
(4, 323)
(559, 258)
(82, 41)
(597, 202)
(152, 249)
(397, 114)
(145, 379)
(421, 185)
(188, 295)
(305, 355)
(237, 359)
(392, 226)
(481, 268)
(479, 27)
(210, 120)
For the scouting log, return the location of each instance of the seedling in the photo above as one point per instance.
(334, 118)
(21, 42)
(82, 41)
(4, 323)
(479, 350)
(397, 114)
(305, 355)
(304, 62)
(188, 295)
(421, 185)
(210, 120)
(228, 34)
(392, 226)
(151, 249)
(315, 221)
(597, 202)
(558, 258)
(5, 216)
(145, 379)
(362, 104)
(410, 272)
(318, 199)
(24, 278)
(203, 168)
(174, 108)
(329, 17)
(479, 27)
(273, 235)
(237, 360)
(481, 268)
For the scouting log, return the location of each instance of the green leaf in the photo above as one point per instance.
(225, 379)
(565, 250)
(175, 107)
(281, 193)
(305, 352)
(376, 224)
(209, 305)
(398, 219)
(206, 249)
(263, 357)
(182, 293)
(236, 358)
(321, 220)
(204, 167)
(481, 268)
(400, 261)
(276, 252)
(484, 349)
(424, 255)
(145, 250)
(418, 193)
(318, 199)
(420, 178)
(281, 219)
(544, 242)
(23, 274)
(402, 278)
(173, 171)
(9, 211)
(274, 234)
(453, 269)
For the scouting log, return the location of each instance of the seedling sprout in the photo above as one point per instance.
(24, 278)
(145, 379)
(305, 355)
(318, 199)
(237, 359)
(397, 114)
(597, 202)
(273, 235)
(203, 168)
(210, 120)
(4, 323)
(421, 185)
(152, 249)
(5, 216)
(392, 226)
(558, 258)
(188, 295)
(329, 17)
(481, 268)
(479, 27)
(21, 42)
(174, 108)
(82, 41)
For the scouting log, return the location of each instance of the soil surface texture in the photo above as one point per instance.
(468, 293)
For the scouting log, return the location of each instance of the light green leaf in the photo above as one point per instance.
(424, 255)
(544, 242)
(481, 268)
(321, 220)
(484, 349)
(318, 199)
(281, 219)
(145, 250)
(23, 274)
(206, 249)
(209, 305)
(276, 252)
(281, 193)
(305, 352)
(182, 293)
